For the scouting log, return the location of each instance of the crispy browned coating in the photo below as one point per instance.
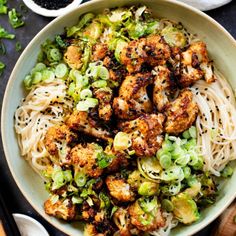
(104, 95)
(139, 217)
(195, 65)
(84, 159)
(99, 52)
(152, 50)
(181, 113)
(61, 209)
(145, 133)
(58, 139)
(122, 221)
(133, 99)
(119, 189)
(164, 85)
(73, 57)
(117, 72)
(81, 121)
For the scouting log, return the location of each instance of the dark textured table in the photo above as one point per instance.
(15, 201)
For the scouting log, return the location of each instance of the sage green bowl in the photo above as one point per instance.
(222, 49)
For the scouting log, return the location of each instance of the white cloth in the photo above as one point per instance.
(205, 5)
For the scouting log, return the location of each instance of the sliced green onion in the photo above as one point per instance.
(88, 103)
(165, 160)
(18, 46)
(183, 160)
(167, 146)
(103, 73)
(227, 172)
(28, 82)
(15, 19)
(86, 93)
(80, 179)
(186, 134)
(99, 84)
(61, 70)
(81, 81)
(3, 9)
(5, 35)
(36, 78)
(54, 55)
(58, 179)
(2, 67)
(105, 200)
(48, 75)
(173, 173)
(76, 200)
(187, 172)
(71, 89)
(193, 132)
(67, 175)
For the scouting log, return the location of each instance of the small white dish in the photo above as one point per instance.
(51, 13)
(29, 226)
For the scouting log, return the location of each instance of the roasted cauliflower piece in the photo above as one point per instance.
(146, 215)
(73, 57)
(58, 140)
(181, 113)
(151, 51)
(195, 65)
(117, 72)
(133, 99)
(164, 86)
(63, 209)
(82, 121)
(84, 159)
(100, 51)
(145, 133)
(119, 188)
(122, 221)
(104, 95)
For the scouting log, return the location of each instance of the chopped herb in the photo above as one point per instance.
(2, 48)
(3, 7)
(5, 35)
(15, 19)
(2, 66)
(18, 46)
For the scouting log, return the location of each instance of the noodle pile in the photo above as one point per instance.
(44, 107)
(216, 123)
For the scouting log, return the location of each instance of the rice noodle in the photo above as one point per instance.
(44, 107)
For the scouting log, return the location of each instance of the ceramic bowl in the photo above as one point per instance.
(51, 13)
(222, 49)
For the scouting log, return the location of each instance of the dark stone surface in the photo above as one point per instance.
(15, 201)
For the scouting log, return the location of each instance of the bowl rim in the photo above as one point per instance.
(203, 224)
(51, 13)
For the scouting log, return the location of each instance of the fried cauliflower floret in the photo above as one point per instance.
(181, 113)
(122, 221)
(146, 215)
(117, 72)
(164, 86)
(73, 57)
(195, 65)
(57, 140)
(104, 95)
(119, 189)
(100, 50)
(133, 99)
(63, 209)
(84, 159)
(81, 121)
(145, 133)
(152, 51)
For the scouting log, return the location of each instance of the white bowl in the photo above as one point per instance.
(29, 226)
(51, 13)
(222, 49)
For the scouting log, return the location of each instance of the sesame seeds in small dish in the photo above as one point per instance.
(52, 8)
